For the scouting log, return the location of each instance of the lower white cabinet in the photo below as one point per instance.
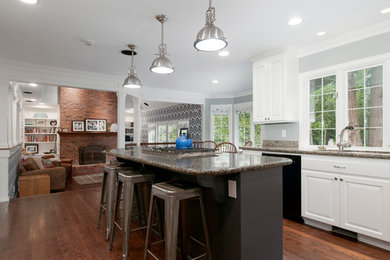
(353, 202)
(364, 206)
(320, 200)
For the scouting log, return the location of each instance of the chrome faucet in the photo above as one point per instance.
(342, 144)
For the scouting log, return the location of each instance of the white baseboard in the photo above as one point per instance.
(317, 224)
(4, 199)
(374, 242)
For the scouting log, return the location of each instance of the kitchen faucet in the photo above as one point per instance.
(342, 144)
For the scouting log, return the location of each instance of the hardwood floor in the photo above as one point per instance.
(63, 226)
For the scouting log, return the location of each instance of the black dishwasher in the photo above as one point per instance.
(291, 187)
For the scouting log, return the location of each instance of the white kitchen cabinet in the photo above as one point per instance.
(321, 197)
(275, 89)
(351, 193)
(364, 206)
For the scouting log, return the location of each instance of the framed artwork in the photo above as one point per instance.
(77, 126)
(183, 131)
(32, 148)
(40, 122)
(97, 125)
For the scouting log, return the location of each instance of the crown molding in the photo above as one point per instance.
(353, 36)
(233, 95)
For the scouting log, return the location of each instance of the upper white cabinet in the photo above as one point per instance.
(275, 81)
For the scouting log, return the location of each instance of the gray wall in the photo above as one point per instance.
(274, 132)
(372, 46)
(190, 112)
(220, 101)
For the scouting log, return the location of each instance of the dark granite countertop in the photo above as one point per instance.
(346, 153)
(220, 164)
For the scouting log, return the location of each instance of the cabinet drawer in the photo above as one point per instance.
(344, 165)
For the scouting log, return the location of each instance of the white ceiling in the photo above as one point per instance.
(49, 34)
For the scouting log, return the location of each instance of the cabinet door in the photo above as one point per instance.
(320, 196)
(276, 100)
(365, 206)
(260, 99)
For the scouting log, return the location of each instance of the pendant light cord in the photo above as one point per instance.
(162, 33)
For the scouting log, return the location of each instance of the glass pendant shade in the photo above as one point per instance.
(210, 37)
(162, 64)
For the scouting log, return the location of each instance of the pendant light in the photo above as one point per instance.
(132, 81)
(162, 64)
(210, 37)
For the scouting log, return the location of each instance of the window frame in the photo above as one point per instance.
(218, 110)
(246, 107)
(341, 71)
(166, 124)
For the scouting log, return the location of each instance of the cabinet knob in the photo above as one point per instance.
(335, 178)
(341, 179)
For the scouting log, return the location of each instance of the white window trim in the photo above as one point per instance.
(218, 110)
(341, 70)
(166, 123)
(246, 107)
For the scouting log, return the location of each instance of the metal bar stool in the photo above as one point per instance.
(110, 177)
(127, 181)
(172, 194)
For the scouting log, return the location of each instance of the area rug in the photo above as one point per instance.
(88, 179)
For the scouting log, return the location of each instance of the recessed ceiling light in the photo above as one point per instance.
(385, 11)
(215, 81)
(41, 103)
(224, 53)
(33, 84)
(321, 33)
(295, 21)
(30, 2)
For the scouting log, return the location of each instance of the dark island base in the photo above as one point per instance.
(248, 227)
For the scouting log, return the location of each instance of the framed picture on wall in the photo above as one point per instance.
(98, 125)
(77, 126)
(31, 148)
(40, 122)
(183, 131)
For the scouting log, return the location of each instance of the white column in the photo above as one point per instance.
(121, 117)
(4, 137)
(137, 120)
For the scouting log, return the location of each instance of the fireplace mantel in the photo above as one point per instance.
(87, 133)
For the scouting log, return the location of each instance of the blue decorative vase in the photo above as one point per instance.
(183, 143)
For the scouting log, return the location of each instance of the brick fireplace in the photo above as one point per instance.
(78, 105)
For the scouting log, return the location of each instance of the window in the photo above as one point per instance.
(221, 128)
(221, 123)
(172, 132)
(244, 128)
(257, 135)
(322, 110)
(152, 133)
(162, 133)
(365, 106)
(353, 94)
(165, 132)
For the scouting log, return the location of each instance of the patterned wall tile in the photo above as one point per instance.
(190, 112)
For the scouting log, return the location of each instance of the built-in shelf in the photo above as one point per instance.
(42, 126)
(39, 142)
(40, 133)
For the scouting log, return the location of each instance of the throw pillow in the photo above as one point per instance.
(38, 161)
(30, 165)
(47, 163)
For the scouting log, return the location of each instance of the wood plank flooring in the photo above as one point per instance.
(63, 226)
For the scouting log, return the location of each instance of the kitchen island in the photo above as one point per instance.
(243, 195)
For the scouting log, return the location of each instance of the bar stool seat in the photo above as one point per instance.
(126, 182)
(172, 193)
(110, 177)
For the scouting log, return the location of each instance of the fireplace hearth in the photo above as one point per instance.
(92, 154)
